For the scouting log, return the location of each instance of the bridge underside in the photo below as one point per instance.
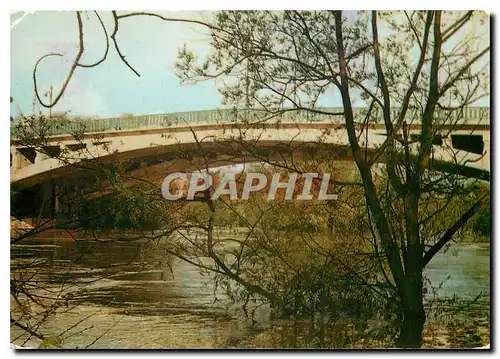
(149, 166)
(153, 164)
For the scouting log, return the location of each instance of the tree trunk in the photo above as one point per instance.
(411, 328)
(413, 314)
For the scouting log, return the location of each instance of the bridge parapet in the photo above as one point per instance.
(51, 127)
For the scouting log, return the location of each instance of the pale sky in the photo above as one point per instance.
(150, 45)
(110, 89)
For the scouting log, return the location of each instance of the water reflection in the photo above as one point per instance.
(142, 298)
(463, 270)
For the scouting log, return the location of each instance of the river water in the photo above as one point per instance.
(136, 296)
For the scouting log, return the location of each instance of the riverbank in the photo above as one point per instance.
(190, 330)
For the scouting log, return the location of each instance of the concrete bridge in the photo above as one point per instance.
(218, 137)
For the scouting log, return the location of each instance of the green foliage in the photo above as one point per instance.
(482, 224)
(442, 212)
(482, 221)
(51, 343)
(322, 290)
(120, 211)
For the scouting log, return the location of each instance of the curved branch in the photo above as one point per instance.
(71, 71)
(386, 109)
(26, 328)
(453, 229)
(412, 27)
(389, 246)
(141, 13)
(113, 37)
(107, 45)
(456, 78)
(418, 69)
(117, 17)
(457, 25)
(432, 98)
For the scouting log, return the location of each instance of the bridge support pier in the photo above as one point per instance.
(51, 203)
(21, 157)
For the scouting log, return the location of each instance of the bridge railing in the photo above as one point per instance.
(64, 126)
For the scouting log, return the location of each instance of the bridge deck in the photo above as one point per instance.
(471, 115)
